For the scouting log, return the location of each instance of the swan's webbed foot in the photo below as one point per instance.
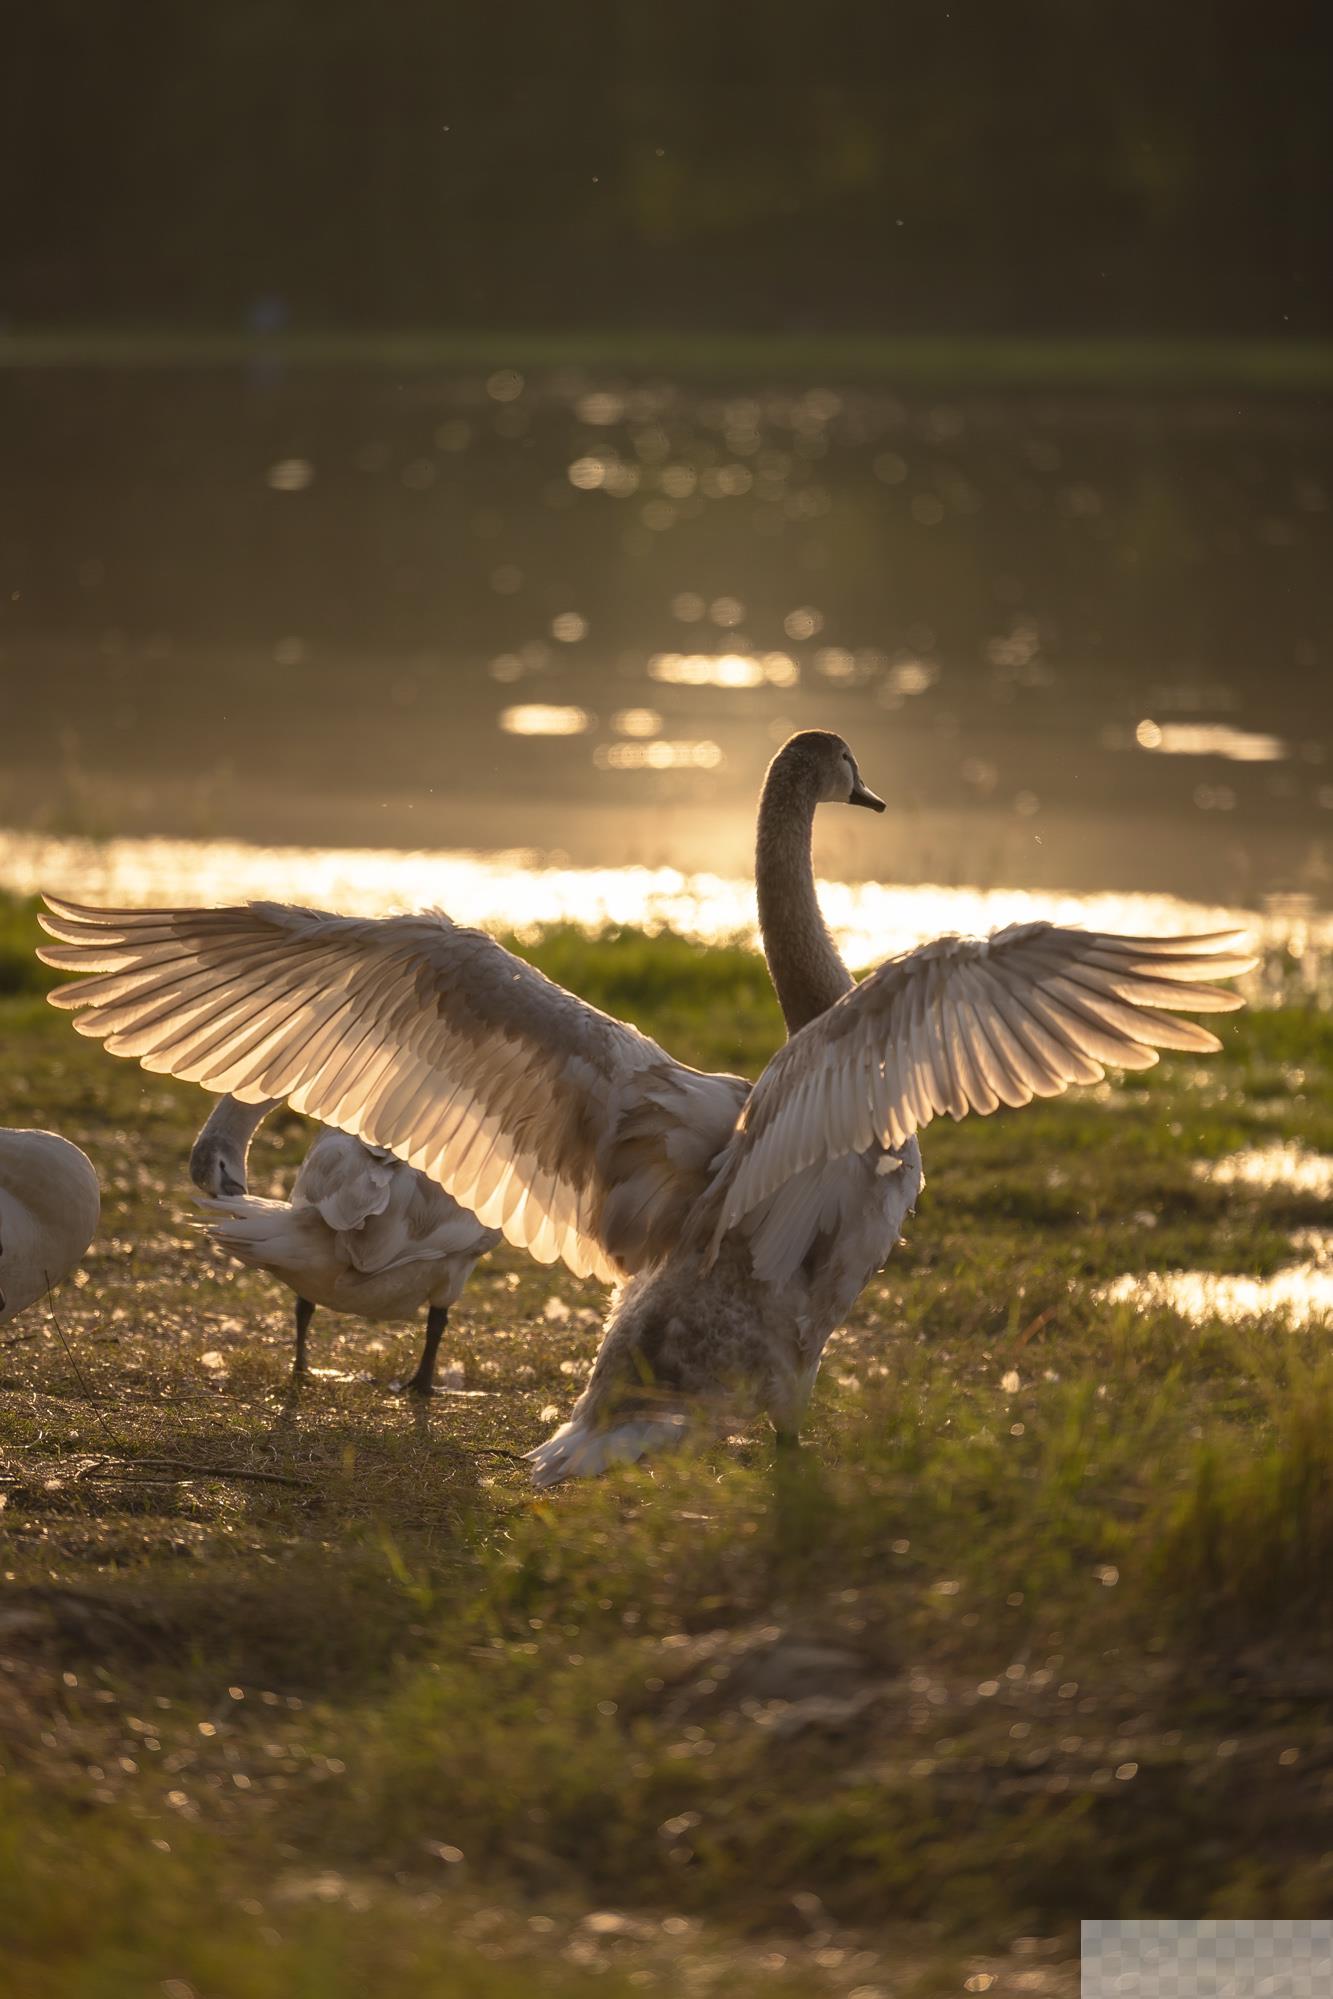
(422, 1383)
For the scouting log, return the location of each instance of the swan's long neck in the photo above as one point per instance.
(803, 962)
(224, 1142)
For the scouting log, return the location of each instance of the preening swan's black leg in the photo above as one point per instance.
(423, 1381)
(786, 1440)
(305, 1312)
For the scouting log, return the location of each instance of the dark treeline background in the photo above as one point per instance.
(1004, 166)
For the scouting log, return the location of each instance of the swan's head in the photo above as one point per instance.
(825, 769)
(217, 1165)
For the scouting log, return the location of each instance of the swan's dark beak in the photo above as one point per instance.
(863, 795)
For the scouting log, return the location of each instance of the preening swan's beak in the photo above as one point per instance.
(863, 795)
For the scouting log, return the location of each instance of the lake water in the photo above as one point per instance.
(1081, 643)
(522, 891)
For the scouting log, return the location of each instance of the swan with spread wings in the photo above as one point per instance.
(739, 1221)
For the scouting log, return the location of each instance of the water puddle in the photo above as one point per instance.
(1266, 1168)
(1301, 1294)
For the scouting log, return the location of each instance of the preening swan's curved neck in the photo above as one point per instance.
(224, 1141)
(803, 962)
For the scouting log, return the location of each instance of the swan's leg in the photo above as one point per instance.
(305, 1312)
(786, 1440)
(423, 1381)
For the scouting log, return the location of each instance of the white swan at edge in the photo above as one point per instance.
(49, 1209)
(361, 1233)
(742, 1221)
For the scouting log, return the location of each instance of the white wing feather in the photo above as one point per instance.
(570, 1131)
(964, 1025)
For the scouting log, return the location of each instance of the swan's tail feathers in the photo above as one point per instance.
(265, 1234)
(581, 1450)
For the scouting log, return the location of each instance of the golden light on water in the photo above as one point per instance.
(636, 722)
(521, 891)
(1266, 1168)
(290, 475)
(605, 472)
(505, 385)
(601, 406)
(912, 676)
(726, 669)
(1300, 1295)
(658, 755)
(536, 718)
(1210, 739)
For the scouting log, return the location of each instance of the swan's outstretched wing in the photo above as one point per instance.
(568, 1130)
(967, 1024)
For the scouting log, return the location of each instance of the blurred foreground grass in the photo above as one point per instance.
(316, 1696)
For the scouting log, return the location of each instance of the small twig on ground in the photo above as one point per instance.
(79, 1376)
(184, 1469)
(1032, 1328)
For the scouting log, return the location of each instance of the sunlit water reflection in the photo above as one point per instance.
(521, 892)
(1299, 1295)
(1265, 1168)
(1077, 641)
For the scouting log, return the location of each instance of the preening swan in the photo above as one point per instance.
(49, 1205)
(742, 1220)
(362, 1232)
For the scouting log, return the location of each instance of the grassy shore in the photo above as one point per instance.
(314, 1695)
(957, 361)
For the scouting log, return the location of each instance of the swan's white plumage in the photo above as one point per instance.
(746, 1221)
(543, 1116)
(965, 1024)
(49, 1209)
(362, 1233)
(576, 1451)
